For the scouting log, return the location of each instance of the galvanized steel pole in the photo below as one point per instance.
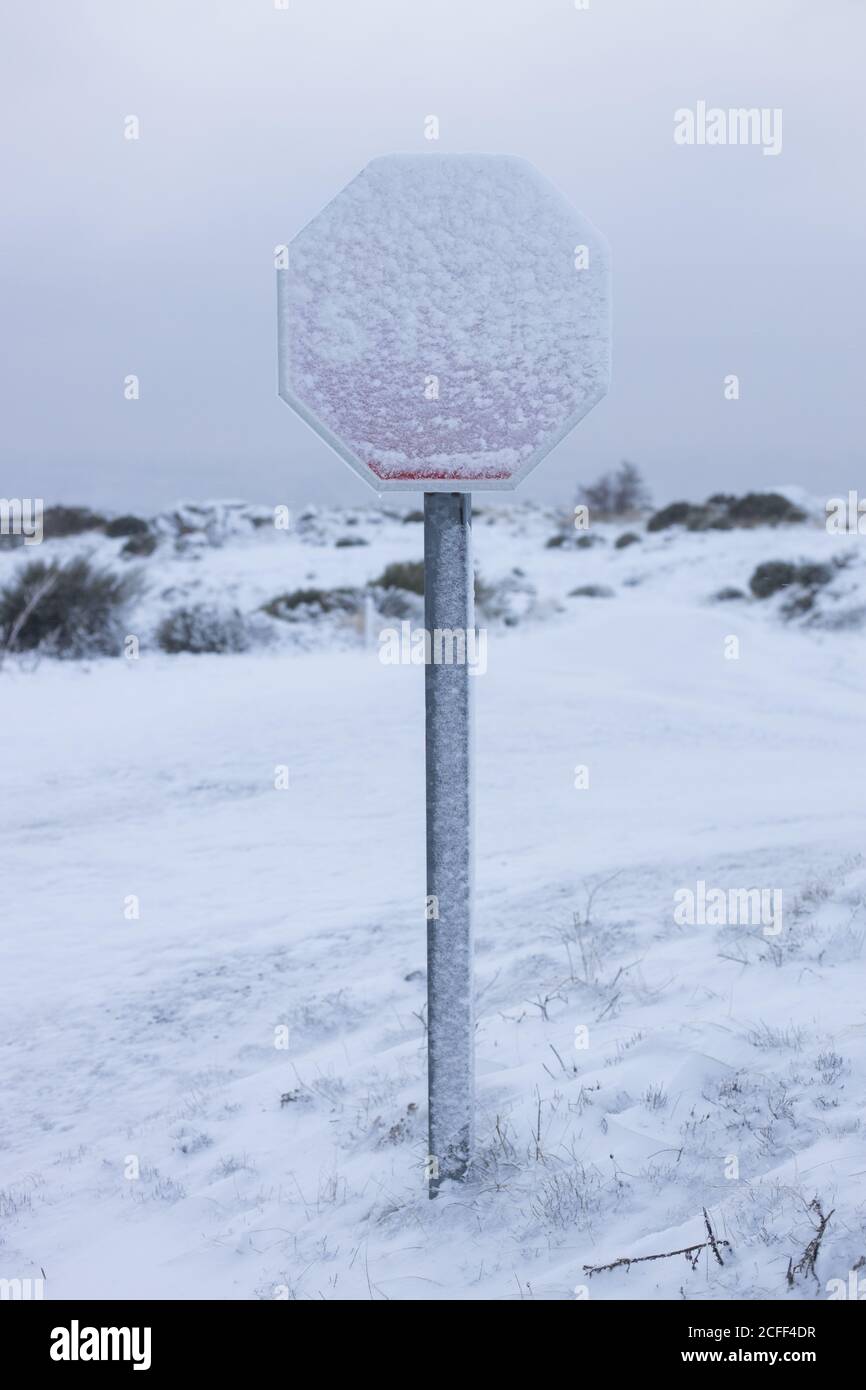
(449, 615)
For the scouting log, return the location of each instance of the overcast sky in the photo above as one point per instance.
(155, 256)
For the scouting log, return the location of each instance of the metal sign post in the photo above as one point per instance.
(449, 607)
(443, 323)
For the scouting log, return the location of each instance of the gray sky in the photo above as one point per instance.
(155, 256)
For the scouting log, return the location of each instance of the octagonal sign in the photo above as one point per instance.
(445, 321)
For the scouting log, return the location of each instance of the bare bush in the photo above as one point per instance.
(203, 628)
(620, 493)
(66, 610)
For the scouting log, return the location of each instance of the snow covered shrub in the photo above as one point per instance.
(139, 546)
(626, 539)
(591, 591)
(694, 516)
(655, 1098)
(824, 922)
(154, 1187)
(196, 525)
(402, 574)
(203, 628)
(69, 610)
(814, 575)
(70, 521)
(772, 1038)
(303, 604)
(775, 575)
(398, 603)
(122, 526)
(569, 1199)
(764, 509)
(569, 539)
(851, 619)
(772, 576)
(190, 1141)
(508, 600)
(722, 511)
(14, 1200)
(404, 1129)
(676, 514)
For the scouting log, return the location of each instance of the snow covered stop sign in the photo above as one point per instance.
(444, 322)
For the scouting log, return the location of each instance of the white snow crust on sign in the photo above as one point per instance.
(445, 320)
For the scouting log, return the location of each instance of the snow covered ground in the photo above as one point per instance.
(157, 1140)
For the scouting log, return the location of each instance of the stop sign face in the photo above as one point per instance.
(445, 321)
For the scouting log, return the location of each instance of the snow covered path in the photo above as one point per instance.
(148, 1045)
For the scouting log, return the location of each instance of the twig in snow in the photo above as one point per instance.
(714, 1245)
(539, 1156)
(592, 893)
(573, 1071)
(690, 1252)
(608, 1006)
(806, 1262)
(541, 1004)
